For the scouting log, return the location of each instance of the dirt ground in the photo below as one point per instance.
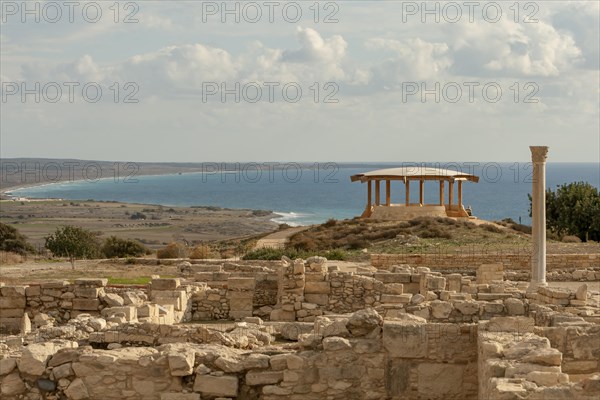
(154, 226)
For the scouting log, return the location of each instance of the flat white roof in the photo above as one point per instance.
(414, 173)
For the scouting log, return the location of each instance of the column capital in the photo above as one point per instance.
(539, 153)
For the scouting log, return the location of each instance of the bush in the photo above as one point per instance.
(491, 228)
(336, 254)
(330, 222)
(115, 247)
(173, 250)
(574, 209)
(435, 232)
(13, 241)
(522, 228)
(138, 215)
(73, 242)
(201, 252)
(267, 254)
(571, 239)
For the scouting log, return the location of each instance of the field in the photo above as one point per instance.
(154, 226)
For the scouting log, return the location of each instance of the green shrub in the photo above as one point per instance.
(12, 240)
(336, 254)
(73, 242)
(115, 247)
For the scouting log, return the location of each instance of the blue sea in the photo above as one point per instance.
(302, 196)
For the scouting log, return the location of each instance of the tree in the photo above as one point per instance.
(574, 209)
(12, 240)
(115, 247)
(73, 242)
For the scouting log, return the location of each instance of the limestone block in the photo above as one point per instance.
(33, 291)
(54, 284)
(7, 365)
(220, 386)
(256, 361)
(364, 322)
(130, 312)
(86, 304)
(547, 356)
(336, 343)
(321, 299)
(392, 277)
(514, 306)
(91, 282)
(13, 291)
(62, 371)
(282, 315)
(440, 381)
(35, 357)
(12, 313)
(317, 287)
(113, 300)
(467, 307)
(87, 292)
(63, 356)
(132, 298)
(547, 378)
(240, 314)
(243, 284)
(240, 305)
(12, 302)
(147, 311)
(181, 363)
(581, 293)
(404, 338)
(254, 378)
(165, 283)
(236, 295)
(393, 299)
(77, 390)
(12, 385)
(441, 309)
(314, 276)
(394, 288)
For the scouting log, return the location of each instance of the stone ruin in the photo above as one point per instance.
(301, 329)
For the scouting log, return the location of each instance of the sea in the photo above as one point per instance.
(302, 194)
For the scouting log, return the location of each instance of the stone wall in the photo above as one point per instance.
(356, 356)
(511, 261)
(516, 362)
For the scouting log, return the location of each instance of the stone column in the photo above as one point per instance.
(538, 217)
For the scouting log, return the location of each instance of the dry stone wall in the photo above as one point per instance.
(512, 261)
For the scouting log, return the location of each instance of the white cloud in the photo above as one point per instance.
(414, 59)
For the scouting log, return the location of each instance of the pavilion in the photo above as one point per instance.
(408, 210)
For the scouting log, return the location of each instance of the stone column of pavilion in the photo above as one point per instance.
(538, 217)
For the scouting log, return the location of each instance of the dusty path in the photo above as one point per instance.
(277, 240)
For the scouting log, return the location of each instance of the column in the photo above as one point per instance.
(441, 193)
(450, 194)
(460, 194)
(377, 193)
(387, 192)
(421, 191)
(368, 195)
(407, 183)
(538, 217)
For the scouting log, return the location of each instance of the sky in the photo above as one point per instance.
(378, 81)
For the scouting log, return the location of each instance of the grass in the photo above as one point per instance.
(420, 235)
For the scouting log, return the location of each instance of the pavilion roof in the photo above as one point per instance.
(414, 173)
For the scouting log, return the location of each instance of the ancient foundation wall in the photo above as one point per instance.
(511, 261)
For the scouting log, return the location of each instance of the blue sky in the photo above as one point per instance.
(371, 62)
